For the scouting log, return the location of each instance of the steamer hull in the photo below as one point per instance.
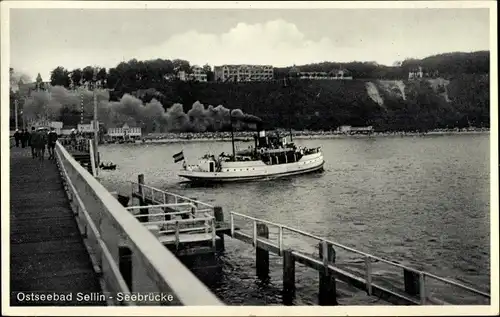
(245, 171)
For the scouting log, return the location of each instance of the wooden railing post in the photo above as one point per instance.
(368, 269)
(219, 219)
(254, 234)
(288, 277)
(280, 240)
(177, 235)
(214, 241)
(261, 255)
(142, 200)
(193, 201)
(422, 290)
(166, 209)
(327, 285)
(231, 220)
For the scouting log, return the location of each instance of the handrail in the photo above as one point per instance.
(161, 206)
(92, 159)
(368, 257)
(154, 265)
(171, 194)
(192, 220)
(100, 243)
(164, 214)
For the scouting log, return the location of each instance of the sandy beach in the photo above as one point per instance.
(248, 136)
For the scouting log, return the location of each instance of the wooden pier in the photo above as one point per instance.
(47, 251)
(188, 226)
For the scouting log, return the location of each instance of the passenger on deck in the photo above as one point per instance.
(51, 138)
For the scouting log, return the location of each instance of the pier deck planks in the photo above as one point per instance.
(47, 252)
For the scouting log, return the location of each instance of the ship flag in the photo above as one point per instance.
(178, 157)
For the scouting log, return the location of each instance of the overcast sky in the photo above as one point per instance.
(42, 39)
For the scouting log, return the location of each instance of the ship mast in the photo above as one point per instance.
(232, 134)
(291, 107)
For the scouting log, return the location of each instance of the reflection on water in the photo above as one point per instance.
(422, 201)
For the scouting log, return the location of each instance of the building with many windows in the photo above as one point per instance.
(336, 74)
(198, 74)
(243, 73)
(36, 123)
(416, 73)
(125, 132)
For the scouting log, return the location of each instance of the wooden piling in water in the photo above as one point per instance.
(142, 201)
(327, 295)
(262, 256)
(219, 218)
(288, 277)
(412, 282)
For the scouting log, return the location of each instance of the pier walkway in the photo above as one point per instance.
(46, 249)
(69, 235)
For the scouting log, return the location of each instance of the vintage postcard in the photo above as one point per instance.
(249, 158)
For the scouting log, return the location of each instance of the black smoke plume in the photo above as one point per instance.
(151, 116)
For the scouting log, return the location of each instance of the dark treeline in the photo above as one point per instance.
(442, 65)
(140, 75)
(315, 104)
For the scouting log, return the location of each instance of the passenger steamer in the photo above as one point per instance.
(270, 157)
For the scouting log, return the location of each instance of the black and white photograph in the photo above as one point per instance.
(262, 158)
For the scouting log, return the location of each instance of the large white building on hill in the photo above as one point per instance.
(242, 73)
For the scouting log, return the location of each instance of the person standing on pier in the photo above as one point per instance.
(24, 135)
(72, 138)
(17, 137)
(28, 138)
(52, 139)
(41, 142)
(32, 142)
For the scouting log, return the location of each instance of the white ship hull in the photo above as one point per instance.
(254, 170)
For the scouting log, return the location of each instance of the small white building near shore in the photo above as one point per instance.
(57, 125)
(347, 129)
(86, 127)
(124, 132)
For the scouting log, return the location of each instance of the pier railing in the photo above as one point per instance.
(79, 144)
(126, 255)
(159, 196)
(201, 221)
(417, 283)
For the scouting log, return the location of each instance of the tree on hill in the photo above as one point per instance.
(60, 77)
(76, 77)
(88, 74)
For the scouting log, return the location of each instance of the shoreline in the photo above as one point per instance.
(177, 139)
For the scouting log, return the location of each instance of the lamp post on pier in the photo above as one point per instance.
(96, 124)
(16, 115)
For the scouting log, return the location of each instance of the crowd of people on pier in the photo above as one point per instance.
(38, 140)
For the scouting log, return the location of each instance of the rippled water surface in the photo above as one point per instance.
(417, 200)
